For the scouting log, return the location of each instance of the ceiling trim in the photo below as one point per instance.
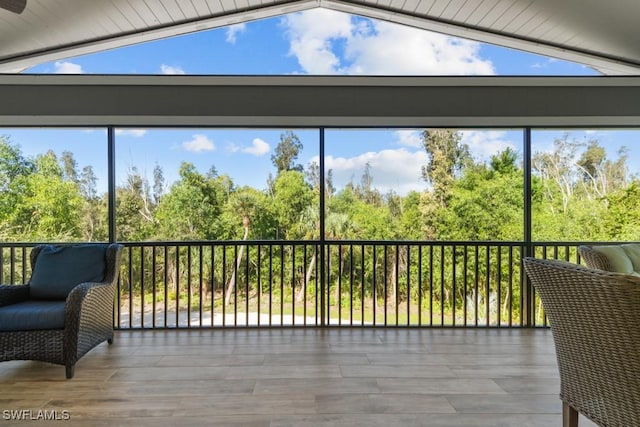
(601, 62)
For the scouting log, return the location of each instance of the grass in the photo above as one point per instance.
(345, 315)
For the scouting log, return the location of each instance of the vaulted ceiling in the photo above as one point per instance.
(598, 33)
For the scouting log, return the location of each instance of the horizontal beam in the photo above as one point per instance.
(295, 101)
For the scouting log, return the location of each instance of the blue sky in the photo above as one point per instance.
(318, 42)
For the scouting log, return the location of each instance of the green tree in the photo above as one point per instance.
(193, 206)
(158, 184)
(292, 197)
(600, 175)
(55, 204)
(134, 216)
(622, 219)
(14, 170)
(484, 204)
(69, 166)
(286, 153)
(448, 156)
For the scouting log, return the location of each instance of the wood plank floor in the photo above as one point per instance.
(297, 377)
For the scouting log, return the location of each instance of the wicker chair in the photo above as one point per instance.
(594, 259)
(595, 321)
(86, 319)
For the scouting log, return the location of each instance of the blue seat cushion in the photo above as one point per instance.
(32, 315)
(58, 269)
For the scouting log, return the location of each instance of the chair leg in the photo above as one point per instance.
(569, 416)
(69, 370)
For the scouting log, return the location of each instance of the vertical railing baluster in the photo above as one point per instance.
(487, 290)
(408, 285)
(166, 283)
(442, 284)
(246, 284)
(339, 295)
(281, 284)
(465, 277)
(118, 304)
(523, 283)
(303, 289)
(259, 283)
(351, 296)
(430, 285)
(153, 286)
(270, 283)
(142, 287)
(25, 266)
(189, 281)
(362, 281)
(12, 272)
(293, 284)
(374, 285)
(130, 291)
(212, 282)
(420, 285)
(2, 266)
(396, 292)
(386, 283)
(177, 280)
(200, 283)
(510, 290)
(235, 284)
(317, 286)
(476, 286)
(224, 284)
(499, 283)
(453, 285)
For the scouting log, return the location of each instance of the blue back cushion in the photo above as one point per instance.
(58, 269)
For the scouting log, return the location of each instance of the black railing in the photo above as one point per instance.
(277, 283)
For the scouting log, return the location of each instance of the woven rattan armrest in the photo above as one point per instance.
(88, 317)
(81, 292)
(86, 301)
(12, 294)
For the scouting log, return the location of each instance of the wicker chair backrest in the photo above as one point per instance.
(595, 320)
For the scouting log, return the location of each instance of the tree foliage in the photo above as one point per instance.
(579, 192)
(286, 153)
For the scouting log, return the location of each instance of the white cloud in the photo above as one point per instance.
(376, 47)
(63, 67)
(409, 137)
(170, 69)
(199, 143)
(484, 144)
(399, 170)
(258, 148)
(234, 30)
(311, 34)
(137, 133)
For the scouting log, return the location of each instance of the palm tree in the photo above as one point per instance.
(244, 204)
(310, 221)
